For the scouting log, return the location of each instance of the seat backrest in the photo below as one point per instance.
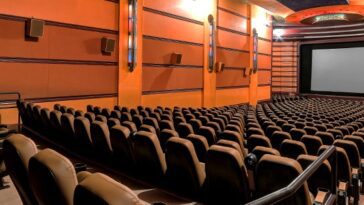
(125, 116)
(292, 148)
(358, 141)
(90, 116)
(326, 137)
(18, 150)
(45, 116)
(52, 178)
(67, 124)
(351, 150)
(336, 133)
(284, 170)
(226, 176)
(122, 146)
(166, 124)
(130, 125)
(254, 131)
(196, 124)
(209, 134)
(233, 136)
(258, 140)
(344, 172)
(101, 118)
(296, 133)
(312, 144)
(200, 144)
(71, 111)
(149, 156)
(111, 122)
(185, 172)
(271, 129)
(152, 122)
(116, 114)
(278, 137)
(106, 112)
(287, 127)
(101, 138)
(310, 130)
(55, 117)
(83, 132)
(103, 190)
(215, 126)
(138, 120)
(321, 178)
(165, 135)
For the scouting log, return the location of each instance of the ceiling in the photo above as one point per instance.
(285, 8)
(295, 11)
(298, 5)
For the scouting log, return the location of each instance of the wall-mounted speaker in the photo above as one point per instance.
(107, 45)
(34, 28)
(219, 67)
(176, 58)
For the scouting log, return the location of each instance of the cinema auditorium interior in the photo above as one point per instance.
(182, 102)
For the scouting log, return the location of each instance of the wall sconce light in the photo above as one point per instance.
(212, 43)
(255, 50)
(132, 35)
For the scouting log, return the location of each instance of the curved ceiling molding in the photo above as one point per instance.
(299, 16)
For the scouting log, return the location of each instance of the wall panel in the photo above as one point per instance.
(166, 79)
(172, 27)
(95, 13)
(231, 78)
(39, 80)
(159, 25)
(284, 68)
(232, 96)
(183, 99)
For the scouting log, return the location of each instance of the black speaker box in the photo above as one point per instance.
(34, 28)
(107, 45)
(176, 58)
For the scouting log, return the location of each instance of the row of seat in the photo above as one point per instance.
(47, 177)
(180, 163)
(293, 142)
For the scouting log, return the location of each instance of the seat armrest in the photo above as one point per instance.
(321, 197)
(82, 176)
(355, 184)
(355, 173)
(342, 193)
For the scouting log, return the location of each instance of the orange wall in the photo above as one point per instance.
(66, 63)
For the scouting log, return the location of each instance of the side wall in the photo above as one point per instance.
(66, 64)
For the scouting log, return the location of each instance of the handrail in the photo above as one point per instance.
(7, 103)
(293, 187)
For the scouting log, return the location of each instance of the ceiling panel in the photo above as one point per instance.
(298, 5)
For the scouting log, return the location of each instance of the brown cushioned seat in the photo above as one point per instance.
(102, 190)
(18, 149)
(226, 177)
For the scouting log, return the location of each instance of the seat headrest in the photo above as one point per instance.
(101, 189)
(20, 145)
(51, 172)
